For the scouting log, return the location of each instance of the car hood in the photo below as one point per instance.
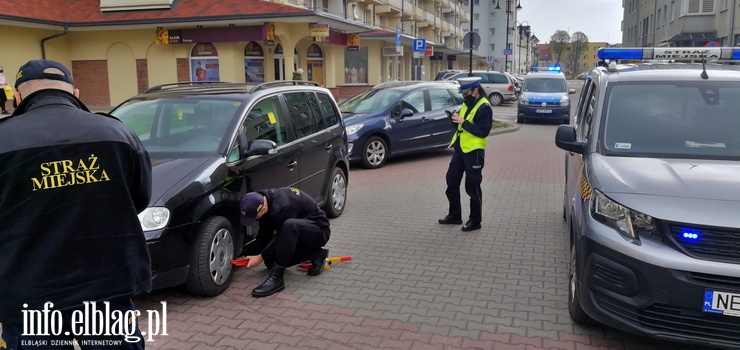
(169, 174)
(544, 96)
(699, 191)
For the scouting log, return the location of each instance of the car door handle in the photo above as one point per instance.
(292, 164)
(424, 119)
(328, 147)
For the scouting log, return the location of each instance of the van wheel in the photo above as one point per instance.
(574, 304)
(496, 99)
(210, 263)
(374, 153)
(337, 196)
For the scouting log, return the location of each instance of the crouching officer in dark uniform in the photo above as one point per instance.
(473, 126)
(292, 229)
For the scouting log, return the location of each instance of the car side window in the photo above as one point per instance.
(414, 101)
(266, 121)
(329, 113)
(301, 114)
(587, 113)
(498, 79)
(457, 96)
(440, 99)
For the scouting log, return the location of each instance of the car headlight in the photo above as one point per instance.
(354, 128)
(154, 218)
(628, 222)
(523, 100)
(565, 101)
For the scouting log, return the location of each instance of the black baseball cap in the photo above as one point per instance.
(39, 69)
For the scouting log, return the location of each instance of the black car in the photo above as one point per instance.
(210, 143)
(400, 117)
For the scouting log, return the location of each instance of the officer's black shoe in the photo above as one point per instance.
(5, 112)
(317, 266)
(273, 284)
(471, 226)
(450, 220)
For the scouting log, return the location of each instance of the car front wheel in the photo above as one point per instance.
(337, 196)
(374, 153)
(574, 304)
(210, 263)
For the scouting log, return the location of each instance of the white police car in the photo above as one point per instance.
(652, 195)
(545, 97)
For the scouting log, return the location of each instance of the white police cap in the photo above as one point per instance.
(468, 83)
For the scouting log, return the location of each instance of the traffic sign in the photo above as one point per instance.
(489, 59)
(429, 51)
(420, 45)
(398, 36)
(507, 52)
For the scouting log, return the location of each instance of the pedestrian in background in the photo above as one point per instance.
(3, 97)
(298, 74)
(71, 186)
(473, 124)
(292, 229)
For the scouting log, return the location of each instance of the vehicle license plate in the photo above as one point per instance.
(722, 303)
(544, 111)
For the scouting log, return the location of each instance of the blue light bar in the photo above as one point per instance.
(669, 53)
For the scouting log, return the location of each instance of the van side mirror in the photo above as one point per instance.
(260, 147)
(565, 138)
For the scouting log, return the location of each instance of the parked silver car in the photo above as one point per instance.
(498, 85)
(652, 197)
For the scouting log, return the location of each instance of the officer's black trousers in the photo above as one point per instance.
(471, 165)
(296, 241)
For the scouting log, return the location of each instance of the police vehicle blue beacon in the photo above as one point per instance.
(652, 195)
(544, 96)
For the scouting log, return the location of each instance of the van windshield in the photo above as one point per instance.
(695, 120)
(179, 125)
(544, 85)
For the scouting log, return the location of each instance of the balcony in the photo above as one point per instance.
(389, 6)
(464, 17)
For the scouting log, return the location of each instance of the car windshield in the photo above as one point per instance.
(544, 85)
(184, 126)
(370, 101)
(695, 120)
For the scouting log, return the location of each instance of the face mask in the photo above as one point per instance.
(469, 100)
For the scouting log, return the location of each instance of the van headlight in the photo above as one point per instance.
(628, 222)
(354, 128)
(564, 101)
(523, 100)
(154, 218)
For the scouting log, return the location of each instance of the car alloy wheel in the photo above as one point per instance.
(496, 99)
(374, 153)
(337, 196)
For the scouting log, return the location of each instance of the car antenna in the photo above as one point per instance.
(704, 74)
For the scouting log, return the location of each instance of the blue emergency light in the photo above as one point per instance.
(669, 53)
(690, 236)
(546, 69)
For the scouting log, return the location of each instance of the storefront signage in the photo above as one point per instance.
(319, 30)
(392, 51)
(353, 42)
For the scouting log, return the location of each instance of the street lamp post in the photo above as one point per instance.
(508, 13)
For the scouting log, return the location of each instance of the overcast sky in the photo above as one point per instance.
(600, 20)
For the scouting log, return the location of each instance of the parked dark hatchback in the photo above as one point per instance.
(398, 118)
(210, 143)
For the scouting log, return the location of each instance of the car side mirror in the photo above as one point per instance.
(405, 113)
(571, 91)
(565, 138)
(260, 147)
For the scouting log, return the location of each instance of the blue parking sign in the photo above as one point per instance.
(420, 45)
(398, 36)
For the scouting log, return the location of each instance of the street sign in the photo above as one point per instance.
(398, 36)
(429, 51)
(507, 52)
(471, 39)
(420, 45)
(489, 59)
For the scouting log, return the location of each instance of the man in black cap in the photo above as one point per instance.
(292, 229)
(71, 186)
(473, 126)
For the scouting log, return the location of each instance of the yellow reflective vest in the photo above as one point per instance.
(468, 141)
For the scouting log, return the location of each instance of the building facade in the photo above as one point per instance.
(118, 48)
(496, 23)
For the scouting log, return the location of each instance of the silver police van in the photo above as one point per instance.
(652, 195)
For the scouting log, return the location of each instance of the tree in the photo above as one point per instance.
(558, 42)
(578, 45)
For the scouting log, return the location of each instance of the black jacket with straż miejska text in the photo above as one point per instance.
(71, 186)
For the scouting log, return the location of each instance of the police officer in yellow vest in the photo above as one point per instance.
(473, 124)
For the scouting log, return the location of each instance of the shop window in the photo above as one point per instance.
(204, 63)
(355, 66)
(254, 63)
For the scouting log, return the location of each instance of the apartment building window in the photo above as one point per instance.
(698, 7)
(492, 47)
(476, 16)
(726, 5)
(673, 10)
(475, 30)
(492, 31)
(659, 21)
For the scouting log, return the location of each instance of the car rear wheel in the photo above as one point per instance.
(337, 196)
(210, 263)
(496, 99)
(374, 153)
(574, 304)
